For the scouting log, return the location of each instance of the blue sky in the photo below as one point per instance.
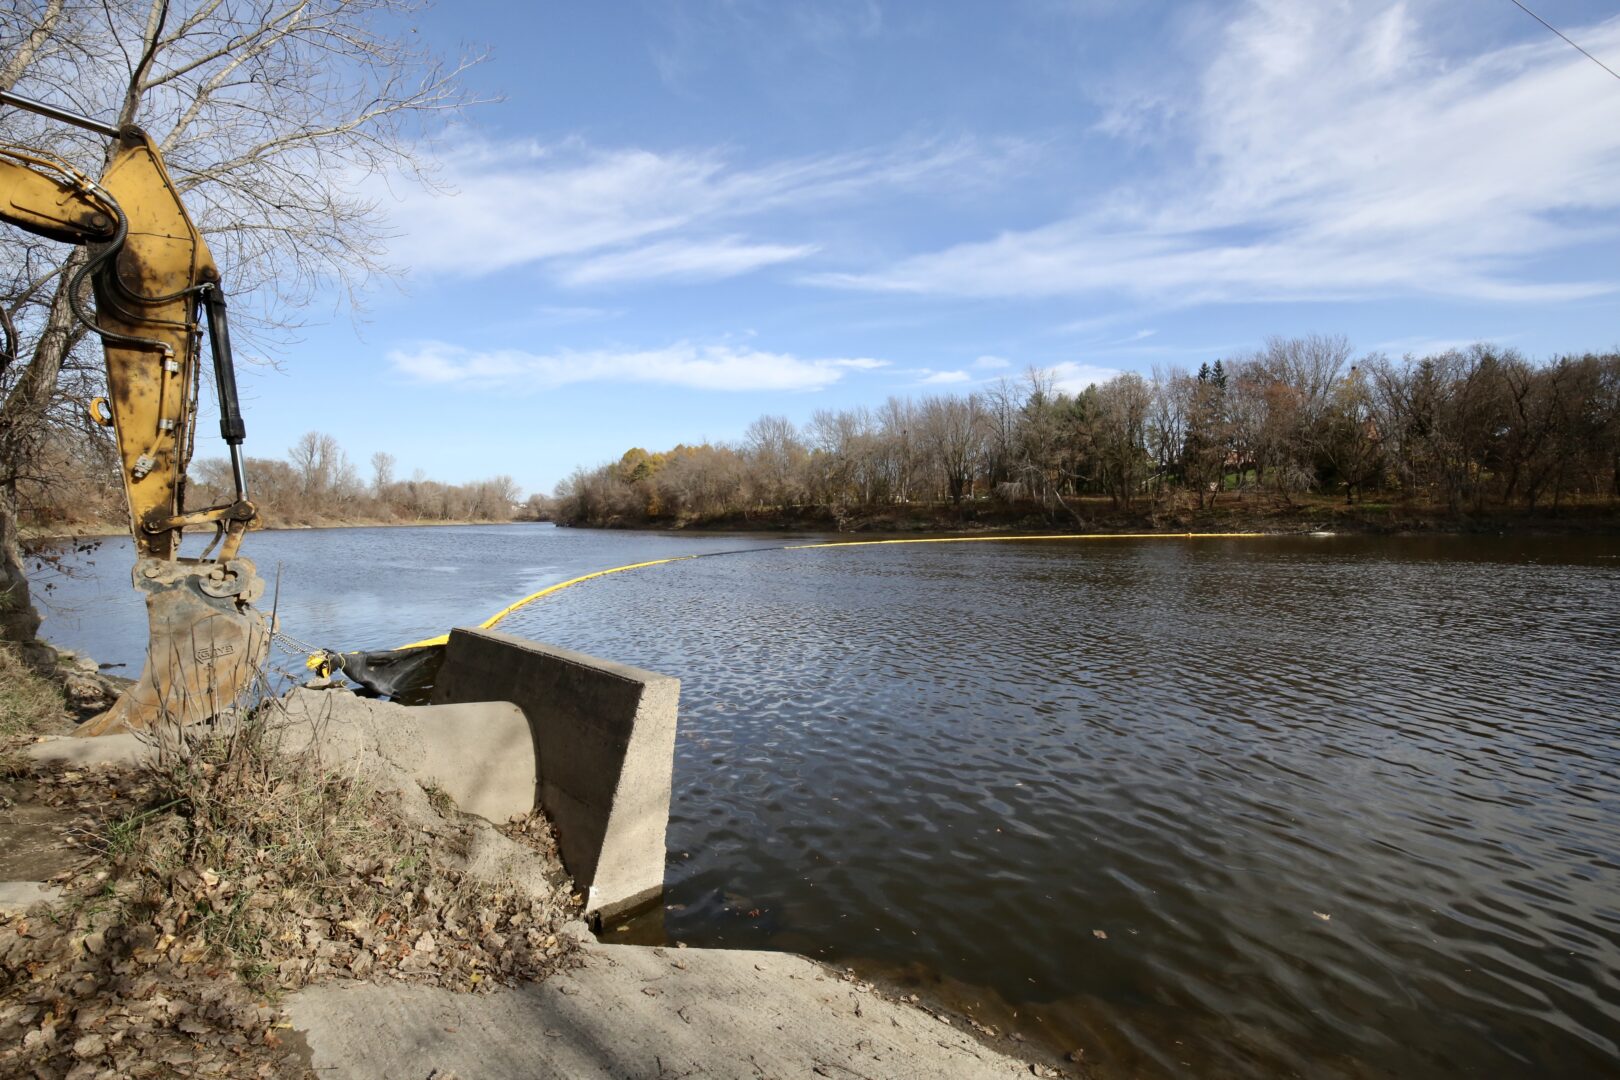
(684, 215)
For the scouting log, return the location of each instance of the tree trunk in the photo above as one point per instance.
(19, 622)
(22, 416)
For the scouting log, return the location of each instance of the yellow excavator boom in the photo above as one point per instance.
(154, 278)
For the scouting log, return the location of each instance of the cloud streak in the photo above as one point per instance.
(593, 216)
(679, 260)
(683, 364)
(1332, 153)
(1072, 378)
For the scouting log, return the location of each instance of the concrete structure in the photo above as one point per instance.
(627, 1011)
(479, 753)
(514, 724)
(640, 1012)
(604, 750)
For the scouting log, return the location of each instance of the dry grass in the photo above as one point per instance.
(30, 704)
(274, 854)
(228, 872)
(249, 842)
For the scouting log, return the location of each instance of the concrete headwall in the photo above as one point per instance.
(604, 746)
(478, 753)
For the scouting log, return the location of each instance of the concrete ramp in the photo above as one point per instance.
(636, 1012)
(604, 751)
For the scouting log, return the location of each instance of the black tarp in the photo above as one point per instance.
(404, 675)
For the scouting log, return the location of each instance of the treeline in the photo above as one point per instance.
(315, 484)
(1464, 431)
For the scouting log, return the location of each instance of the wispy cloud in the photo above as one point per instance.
(944, 378)
(701, 260)
(593, 215)
(1072, 377)
(700, 367)
(1334, 151)
(1421, 345)
(990, 363)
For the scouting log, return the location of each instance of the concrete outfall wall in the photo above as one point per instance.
(479, 753)
(457, 749)
(604, 751)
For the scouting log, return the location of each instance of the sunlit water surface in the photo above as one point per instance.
(1329, 806)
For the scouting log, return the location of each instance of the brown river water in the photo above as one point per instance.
(1321, 806)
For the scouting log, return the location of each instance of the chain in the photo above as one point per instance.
(293, 645)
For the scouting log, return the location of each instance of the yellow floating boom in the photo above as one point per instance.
(489, 623)
(1060, 536)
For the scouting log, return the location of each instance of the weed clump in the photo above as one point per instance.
(29, 705)
(228, 872)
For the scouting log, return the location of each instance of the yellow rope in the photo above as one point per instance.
(489, 623)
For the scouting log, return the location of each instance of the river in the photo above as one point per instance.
(1329, 806)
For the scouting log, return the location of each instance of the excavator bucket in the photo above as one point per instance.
(207, 645)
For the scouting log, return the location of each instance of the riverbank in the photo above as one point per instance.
(1233, 513)
(245, 910)
(920, 728)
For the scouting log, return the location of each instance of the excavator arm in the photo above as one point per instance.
(154, 279)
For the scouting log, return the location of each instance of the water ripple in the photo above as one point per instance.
(1340, 806)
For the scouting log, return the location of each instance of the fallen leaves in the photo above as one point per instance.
(185, 913)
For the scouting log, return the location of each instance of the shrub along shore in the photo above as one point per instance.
(77, 492)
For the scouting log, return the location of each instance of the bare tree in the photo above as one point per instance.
(952, 431)
(1347, 438)
(1123, 407)
(1041, 436)
(319, 462)
(1004, 404)
(382, 472)
(778, 455)
(899, 447)
(1456, 425)
(271, 114)
(1167, 422)
(1246, 411)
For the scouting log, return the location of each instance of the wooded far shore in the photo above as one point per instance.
(1298, 436)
